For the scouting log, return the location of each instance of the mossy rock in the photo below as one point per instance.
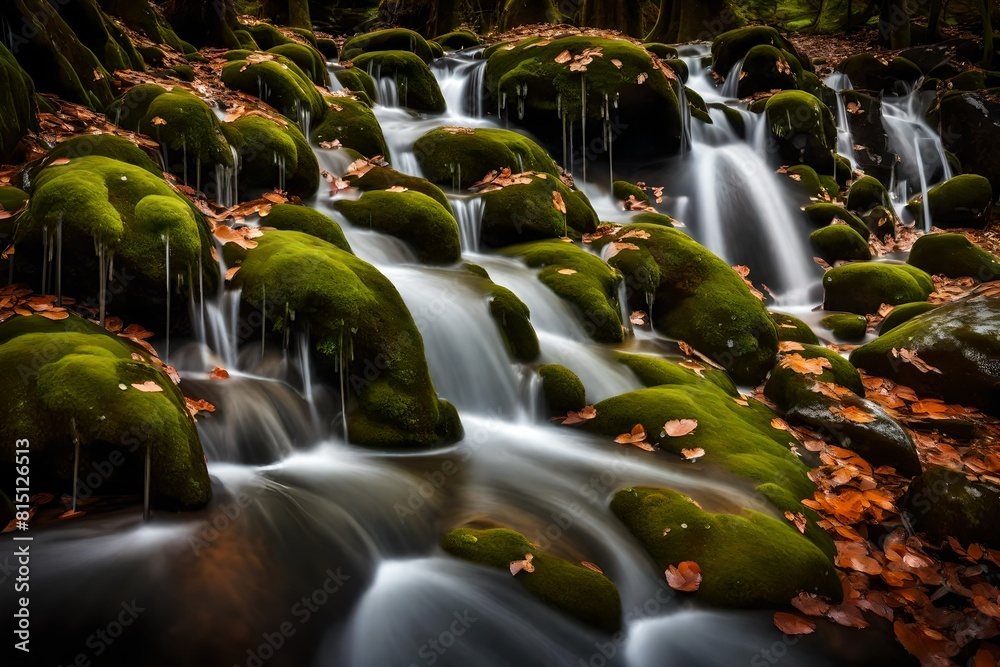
(846, 326)
(867, 72)
(881, 222)
(458, 40)
(152, 55)
(654, 371)
(305, 219)
(793, 329)
(662, 51)
(351, 312)
(526, 212)
(436, 50)
(592, 287)
(12, 199)
(273, 152)
(904, 313)
(246, 40)
(309, 60)
(812, 183)
(957, 339)
(393, 39)
(182, 72)
(839, 243)
(731, 47)
(527, 75)
(237, 54)
(267, 36)
(577, 591)
(767, 68)
(18, 110)
(513, 320)
(354, 125)
(562, 389)
(328, 48)
(822, 214)
(861, 288)
(647, 218)
(973, 80)
(942, 503)
(142, 17)
(304, 33)
(786, 388)
(954, 256)
(968, 125)
(697, 298)
(803, 129)
(962, 201)
(426, 226)
(383, 178)
(86, 381)
(747, 560)
(460, 157)
(279, 82)
(358, 82)
(416, 87)
(622, 190)
(866, 194)
(107, 145)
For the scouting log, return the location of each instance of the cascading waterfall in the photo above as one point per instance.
(469, 215)
(840, 82)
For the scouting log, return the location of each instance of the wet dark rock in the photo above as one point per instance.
(962, 201)
(943, 503)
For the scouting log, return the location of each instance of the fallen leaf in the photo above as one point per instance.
(799, 364)
(588, 412)
(590, 566)
(693, 454)
(856, 415)
(678, 427)
(638, 318)
(793, 624)
(525, 565)
(196, 406)
(231, 272)
(219, 373)
(798, 518)
(567, 272)
(558, 202)
(617, 63)
(686, 577)
(149, 387)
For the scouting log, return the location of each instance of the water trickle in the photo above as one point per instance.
(166, 242)
(583, 124)
(469, 215)
(840, 83)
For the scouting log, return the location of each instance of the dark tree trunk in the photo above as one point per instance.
(204, 23)
(687, 20)
(894, 24)
(987, 34)
(430, 18)
(623, 15)
(293, 13)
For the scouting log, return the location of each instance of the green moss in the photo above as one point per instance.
(460, 157)
(458, 39)
(296, 218)
(182, 72)
(562, 389)
(577, 591)
(309, 60)
(592, 289)
(647, 218)
(354, 125)
(904, 313)
(383, 178)
(862, 288)
(662, 51)
(85, 381)
(328, 48)
(351, 311)
(822, 215)
(866, 194)
(236, 54)
(697, 298)
(17, 101)
(246, 40)
(839, 243)
(526, 212)
(358, 82)
(767, 68)
(654, 371)
(512, 318)
(622, 190)
(420, 221)
(942, 503)
(954, 256)
(748, 560)
(416, 86)
(274, 152)
(393, 39)
(12, 199)
(793, 329)
(803, 128)
(786, 387)
(277, 81)
(962, 201)
(267, 36)
(731, 47)
(107, 145)
(867, 72)
(846, 326)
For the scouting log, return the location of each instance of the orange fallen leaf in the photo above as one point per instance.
(686, 577)
(149, 386)
(800, 364)
(693, 454)
(676, 428)
(588, 412)
(567, 272)
(525, 565)
(792, 624)
(557, 201)
(856, 414)
(219, 373)
(590, 566)
(798, 518)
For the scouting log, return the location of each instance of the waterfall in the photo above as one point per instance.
(469, 215)
(840, 82)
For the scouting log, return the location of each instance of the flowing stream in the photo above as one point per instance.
(340, 544)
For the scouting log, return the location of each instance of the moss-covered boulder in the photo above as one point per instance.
(579, 277)
(18, 110)
(328, 48)
(867, 72)
(963, 201)
(354, 125)
(904, 313)
(383, 178)
(310, 61)
(537, 85)
(846, 326)
(803, 129)
(942, 503)
(767, 68)
(278, 81)
(12, 200)
(273, 153)
(840, 243)
(107, 145)
(861, 288)
(459, 157)
(954, 256)
(793, 329)
(267, 36)
(747, 560)
(359, 83)
(305, 219)
(513, 320)
(731, 47)
(141, 16)
(353, 316)
(662, 51)
(426, 226)
(393, 39)
(562, 389)
(623, 190)
(969, 128)
(812, 183)
(586, 595)
(246, 40)
(416, 87)
(822, 214)
(655, 371)
(648, 218)
(527, 211)
(959, 339)
(697, 298)
(458, 40)
(93, 386)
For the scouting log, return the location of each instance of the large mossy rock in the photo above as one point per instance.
(354, 316)
(823, 214)
(655, 371)
(359, 83)
(963, 201)
(766, 68)
(960, 339)
(942, 503)
(579, 277)
(393, 39)
(904, 313)
(106, 145)
(305, 219)
(273, 153)
(954, 256)
(383, 178)
(847, 326)
(803, 128)
(423, 223)
(862, 287)
(562, 389)
(278, 81)
(310, 61)
(18, 110)
(969, 124)
(416, 87)
(793, 329)
(731, 47)
(527, 212)
(459, 157)
(840, 243)
(84, 387)
(354, 125)
(586, 595)
(697, 298)
(747, 560)
(867, 72)
(642, 93)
